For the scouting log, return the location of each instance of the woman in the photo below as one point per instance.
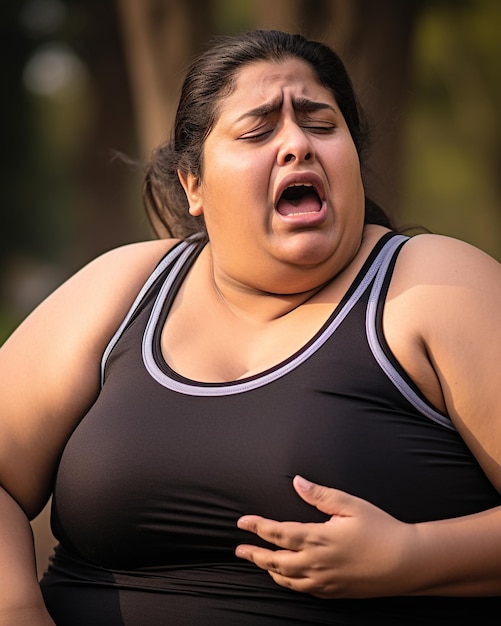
(290, 417)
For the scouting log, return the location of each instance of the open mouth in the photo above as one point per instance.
(298, 199)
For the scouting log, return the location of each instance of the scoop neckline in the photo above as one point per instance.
(166, 376)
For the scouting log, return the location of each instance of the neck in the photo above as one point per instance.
(258, 303)
(256, 306)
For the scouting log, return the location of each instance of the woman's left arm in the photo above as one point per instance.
(454, 291)
(363, 552)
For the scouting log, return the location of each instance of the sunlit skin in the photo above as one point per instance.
(273, 271)
(278, 131)
(278, 127)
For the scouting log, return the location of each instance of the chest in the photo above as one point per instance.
(152, 475)
(221, 347)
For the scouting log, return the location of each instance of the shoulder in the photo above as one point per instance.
(435, 277)
(139, 259)
(426, 249)
(71, 327)
(114, 278)
(79, 317)
(441, 261)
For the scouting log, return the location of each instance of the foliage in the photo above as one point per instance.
(453, 126)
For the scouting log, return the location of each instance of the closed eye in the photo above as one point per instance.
(314, 128)
(318, 127)
(256, 136)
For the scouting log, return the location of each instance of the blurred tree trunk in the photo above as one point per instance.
(160, 37)
(107, 216)
(373, 38)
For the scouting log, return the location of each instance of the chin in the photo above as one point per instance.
(309, 251)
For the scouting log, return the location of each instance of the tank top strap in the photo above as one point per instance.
(377, 341)
(381, 252)
(176, 257)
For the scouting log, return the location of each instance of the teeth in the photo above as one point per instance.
(301, 185)
(309, 185)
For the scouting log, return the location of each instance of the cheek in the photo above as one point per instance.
(346, 169)
(237, 181)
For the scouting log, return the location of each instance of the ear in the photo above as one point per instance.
(191, 186)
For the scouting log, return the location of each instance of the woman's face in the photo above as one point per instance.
(281, 188)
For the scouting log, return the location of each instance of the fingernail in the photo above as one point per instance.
(303, 483)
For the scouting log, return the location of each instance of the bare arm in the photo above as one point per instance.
(363, 552)
(449, 296)
(22, 600)
(49, 377)
(449, 293)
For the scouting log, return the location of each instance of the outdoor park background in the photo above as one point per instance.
(82, 79)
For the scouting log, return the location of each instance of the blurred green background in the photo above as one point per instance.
(85, 79)
(75, 90)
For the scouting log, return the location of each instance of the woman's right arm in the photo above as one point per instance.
(21, 601)
(49, 377)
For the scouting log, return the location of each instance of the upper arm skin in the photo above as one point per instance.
(446, 296)
(50, 366)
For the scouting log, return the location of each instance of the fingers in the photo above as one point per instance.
(325, 499)
(299, 571)
(298, 561)
(279, 564)
(262, 557)
(286, 568)
(287, 535)
(323, 558)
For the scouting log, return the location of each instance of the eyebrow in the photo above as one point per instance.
(303, 105)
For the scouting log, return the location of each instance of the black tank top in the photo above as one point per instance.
(152, 481)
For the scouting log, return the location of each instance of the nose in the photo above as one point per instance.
(295, 145)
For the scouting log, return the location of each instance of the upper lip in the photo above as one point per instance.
(300, 178)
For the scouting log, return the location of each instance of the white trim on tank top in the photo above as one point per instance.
(377, 271)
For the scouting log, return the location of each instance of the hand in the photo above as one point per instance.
(361, 551)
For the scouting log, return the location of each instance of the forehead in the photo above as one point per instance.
(263, 81)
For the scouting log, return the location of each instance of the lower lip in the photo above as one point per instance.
(305, 220)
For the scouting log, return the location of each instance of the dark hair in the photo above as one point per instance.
(210, 78)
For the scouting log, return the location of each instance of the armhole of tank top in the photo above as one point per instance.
(381, 350)
(182, 248)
